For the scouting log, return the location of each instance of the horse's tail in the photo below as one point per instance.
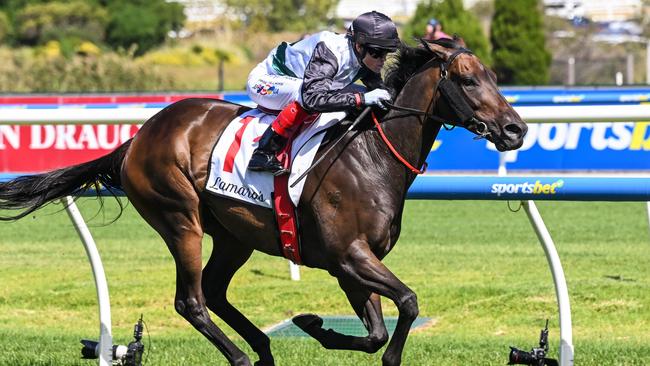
(30, 192)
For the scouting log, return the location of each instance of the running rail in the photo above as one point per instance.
(527, 189)
(530, 114)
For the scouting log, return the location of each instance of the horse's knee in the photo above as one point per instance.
(408, 306)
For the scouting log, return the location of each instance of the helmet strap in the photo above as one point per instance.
(360, 55)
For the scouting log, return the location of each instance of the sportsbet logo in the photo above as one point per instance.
(527, 188)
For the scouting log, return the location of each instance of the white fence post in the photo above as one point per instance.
(561, 291)
(105, 335)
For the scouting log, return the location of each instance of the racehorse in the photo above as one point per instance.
(349, 213)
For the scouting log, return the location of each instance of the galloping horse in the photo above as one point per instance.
(163, 171)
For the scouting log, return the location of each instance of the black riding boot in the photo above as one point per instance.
(263, 159)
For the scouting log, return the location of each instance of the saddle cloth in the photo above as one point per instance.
(228, 174)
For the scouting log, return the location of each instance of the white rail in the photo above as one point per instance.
(530, 114)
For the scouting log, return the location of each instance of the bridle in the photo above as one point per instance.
(463, 111)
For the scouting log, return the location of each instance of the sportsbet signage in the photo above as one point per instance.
(557, 146)
(532, 187)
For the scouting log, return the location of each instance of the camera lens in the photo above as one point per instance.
(519, 357)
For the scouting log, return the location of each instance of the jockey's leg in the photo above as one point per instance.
(275, 137)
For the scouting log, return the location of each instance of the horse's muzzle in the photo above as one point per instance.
(510, 134)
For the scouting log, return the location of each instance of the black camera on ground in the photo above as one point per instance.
(130, 355)
(537, 356)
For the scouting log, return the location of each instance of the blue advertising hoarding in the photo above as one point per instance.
(550, 146)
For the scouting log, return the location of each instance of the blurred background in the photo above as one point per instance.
(182, 45)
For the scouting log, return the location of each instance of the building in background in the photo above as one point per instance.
(595, 10)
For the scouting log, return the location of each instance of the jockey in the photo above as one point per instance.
(311, 76)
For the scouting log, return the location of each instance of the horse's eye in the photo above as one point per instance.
(468, 81)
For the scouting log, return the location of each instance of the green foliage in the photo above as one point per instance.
(455, 20)
(57, 20)
(282, 15)
(118, 23)
(143, 24)
(5, 26)
(47, 70)
(518, 43)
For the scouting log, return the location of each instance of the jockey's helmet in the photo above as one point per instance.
(375, 30)
(433, 22)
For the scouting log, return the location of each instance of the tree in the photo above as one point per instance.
(78, 20)
(454, 19)
(518, 43)
(282, 15)
(5, 26)
(144, 24)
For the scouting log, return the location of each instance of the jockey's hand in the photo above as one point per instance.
(377, 97)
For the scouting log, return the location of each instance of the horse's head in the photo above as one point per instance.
(460, 90)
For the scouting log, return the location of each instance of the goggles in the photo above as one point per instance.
(377, 52)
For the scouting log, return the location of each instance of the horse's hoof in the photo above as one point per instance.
(264, 363)
(308, 321)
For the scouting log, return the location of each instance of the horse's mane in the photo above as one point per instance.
(408, 60)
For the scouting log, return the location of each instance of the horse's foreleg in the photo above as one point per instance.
(367, 306)
(360, 265)
(227, 257)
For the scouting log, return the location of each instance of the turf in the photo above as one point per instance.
(477, 268)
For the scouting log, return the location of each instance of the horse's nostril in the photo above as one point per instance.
(514, 129)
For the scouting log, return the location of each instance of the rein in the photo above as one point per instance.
(394, 151)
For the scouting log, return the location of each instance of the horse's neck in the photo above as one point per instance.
(411, 135)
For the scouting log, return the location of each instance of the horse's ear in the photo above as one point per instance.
(438, 52)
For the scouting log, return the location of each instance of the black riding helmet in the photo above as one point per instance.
(376, 30)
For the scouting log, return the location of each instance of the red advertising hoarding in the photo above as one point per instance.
(37, 148)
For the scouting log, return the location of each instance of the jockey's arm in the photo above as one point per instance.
(317, 93)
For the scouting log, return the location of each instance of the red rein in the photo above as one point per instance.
(392, 149)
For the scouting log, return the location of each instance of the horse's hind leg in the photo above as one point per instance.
(228, 255)
(367, 305)
(172, 209)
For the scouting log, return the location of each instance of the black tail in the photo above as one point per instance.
(30, 192)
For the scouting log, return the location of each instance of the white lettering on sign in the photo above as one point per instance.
(102, 137)
(42, 137)
(9, 136)
(552, 136)
(602, 136)
(80, 137)
(622, 136)
(573, 135)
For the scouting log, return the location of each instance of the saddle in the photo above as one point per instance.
(228, 176)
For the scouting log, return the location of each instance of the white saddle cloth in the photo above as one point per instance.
(228, 174)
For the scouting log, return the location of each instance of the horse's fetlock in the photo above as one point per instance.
(389, 360)
(377, 341)
(179, 305)
(242, 361)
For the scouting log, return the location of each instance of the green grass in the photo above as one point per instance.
(477, 269)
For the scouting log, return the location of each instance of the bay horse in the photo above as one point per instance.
(349, 213)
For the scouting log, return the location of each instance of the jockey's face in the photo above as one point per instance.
(373, 60)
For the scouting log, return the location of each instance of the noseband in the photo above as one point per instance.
(455, 99)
